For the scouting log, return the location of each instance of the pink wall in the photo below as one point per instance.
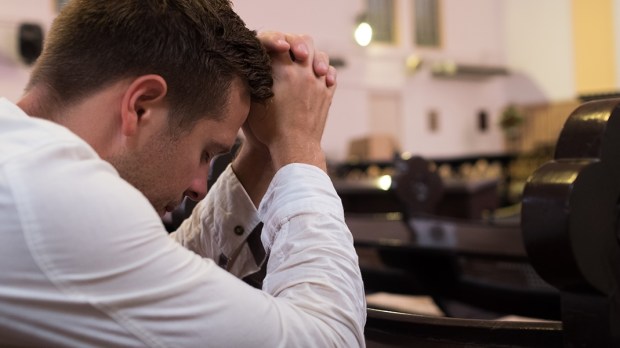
(14, 75)
(473, 33)
(484, 32)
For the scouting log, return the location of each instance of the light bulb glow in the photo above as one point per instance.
(385, 182)
(363, 34)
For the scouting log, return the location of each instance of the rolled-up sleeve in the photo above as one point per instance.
(220, 225)
(312, 271)
(312, 260)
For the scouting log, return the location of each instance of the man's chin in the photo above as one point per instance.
(162, 211)
(167, 210)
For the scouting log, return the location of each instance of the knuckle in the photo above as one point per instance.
(307, 38)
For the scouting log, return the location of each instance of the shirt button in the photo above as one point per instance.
(223, 261)
(239, 230)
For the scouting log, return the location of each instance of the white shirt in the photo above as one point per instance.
(86, 261)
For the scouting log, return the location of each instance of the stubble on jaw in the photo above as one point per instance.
(148, 168)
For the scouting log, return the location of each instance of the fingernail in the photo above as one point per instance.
(303, 49)
(322, 66)
(332, 77)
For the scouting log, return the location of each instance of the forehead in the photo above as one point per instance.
(222, 129)
(237, 107)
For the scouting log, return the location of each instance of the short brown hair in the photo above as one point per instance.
(197, 46)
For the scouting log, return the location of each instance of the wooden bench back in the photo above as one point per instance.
(570, 224)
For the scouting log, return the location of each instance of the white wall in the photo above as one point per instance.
(539, 48)
(14, 75)
(472, 35)
(531, 37)
(473, 31)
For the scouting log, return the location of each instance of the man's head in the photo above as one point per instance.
(197, 46)
(155, 86)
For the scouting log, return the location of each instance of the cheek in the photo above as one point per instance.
(182, 171)
(172, 170)
(186, 169)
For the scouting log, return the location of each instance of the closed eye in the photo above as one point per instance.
(206, 157)
(219, 149)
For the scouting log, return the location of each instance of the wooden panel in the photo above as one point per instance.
(593, 39)
(543, 123)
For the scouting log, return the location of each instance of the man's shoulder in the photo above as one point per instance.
(21, 134)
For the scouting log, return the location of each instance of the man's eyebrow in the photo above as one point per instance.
(221, 148)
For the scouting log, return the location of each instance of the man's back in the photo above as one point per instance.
(85, 259)
(51, 254)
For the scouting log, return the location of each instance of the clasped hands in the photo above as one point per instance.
(287, 128)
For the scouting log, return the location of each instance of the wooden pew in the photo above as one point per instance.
(459, 263)
(456, 263)
(372, 195)
(571, 232)
(391, 329)
(468, 194)
(570, 224)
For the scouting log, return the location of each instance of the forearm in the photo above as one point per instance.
(254, 169)
(290, 150)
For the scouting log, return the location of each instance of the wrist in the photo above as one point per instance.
(254, 170)
(299, 152)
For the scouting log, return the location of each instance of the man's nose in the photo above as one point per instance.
(197, 189)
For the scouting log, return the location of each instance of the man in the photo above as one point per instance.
(128, 103)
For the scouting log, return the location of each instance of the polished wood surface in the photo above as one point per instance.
(570, 224)
(479, 264)
(392, 329)
(437, 233)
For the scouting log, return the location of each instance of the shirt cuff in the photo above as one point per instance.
(296, 188)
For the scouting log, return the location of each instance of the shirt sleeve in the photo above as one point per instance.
(220, 226)
(305, 234)
(313, 264)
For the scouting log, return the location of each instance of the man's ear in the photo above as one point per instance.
(141, 99)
